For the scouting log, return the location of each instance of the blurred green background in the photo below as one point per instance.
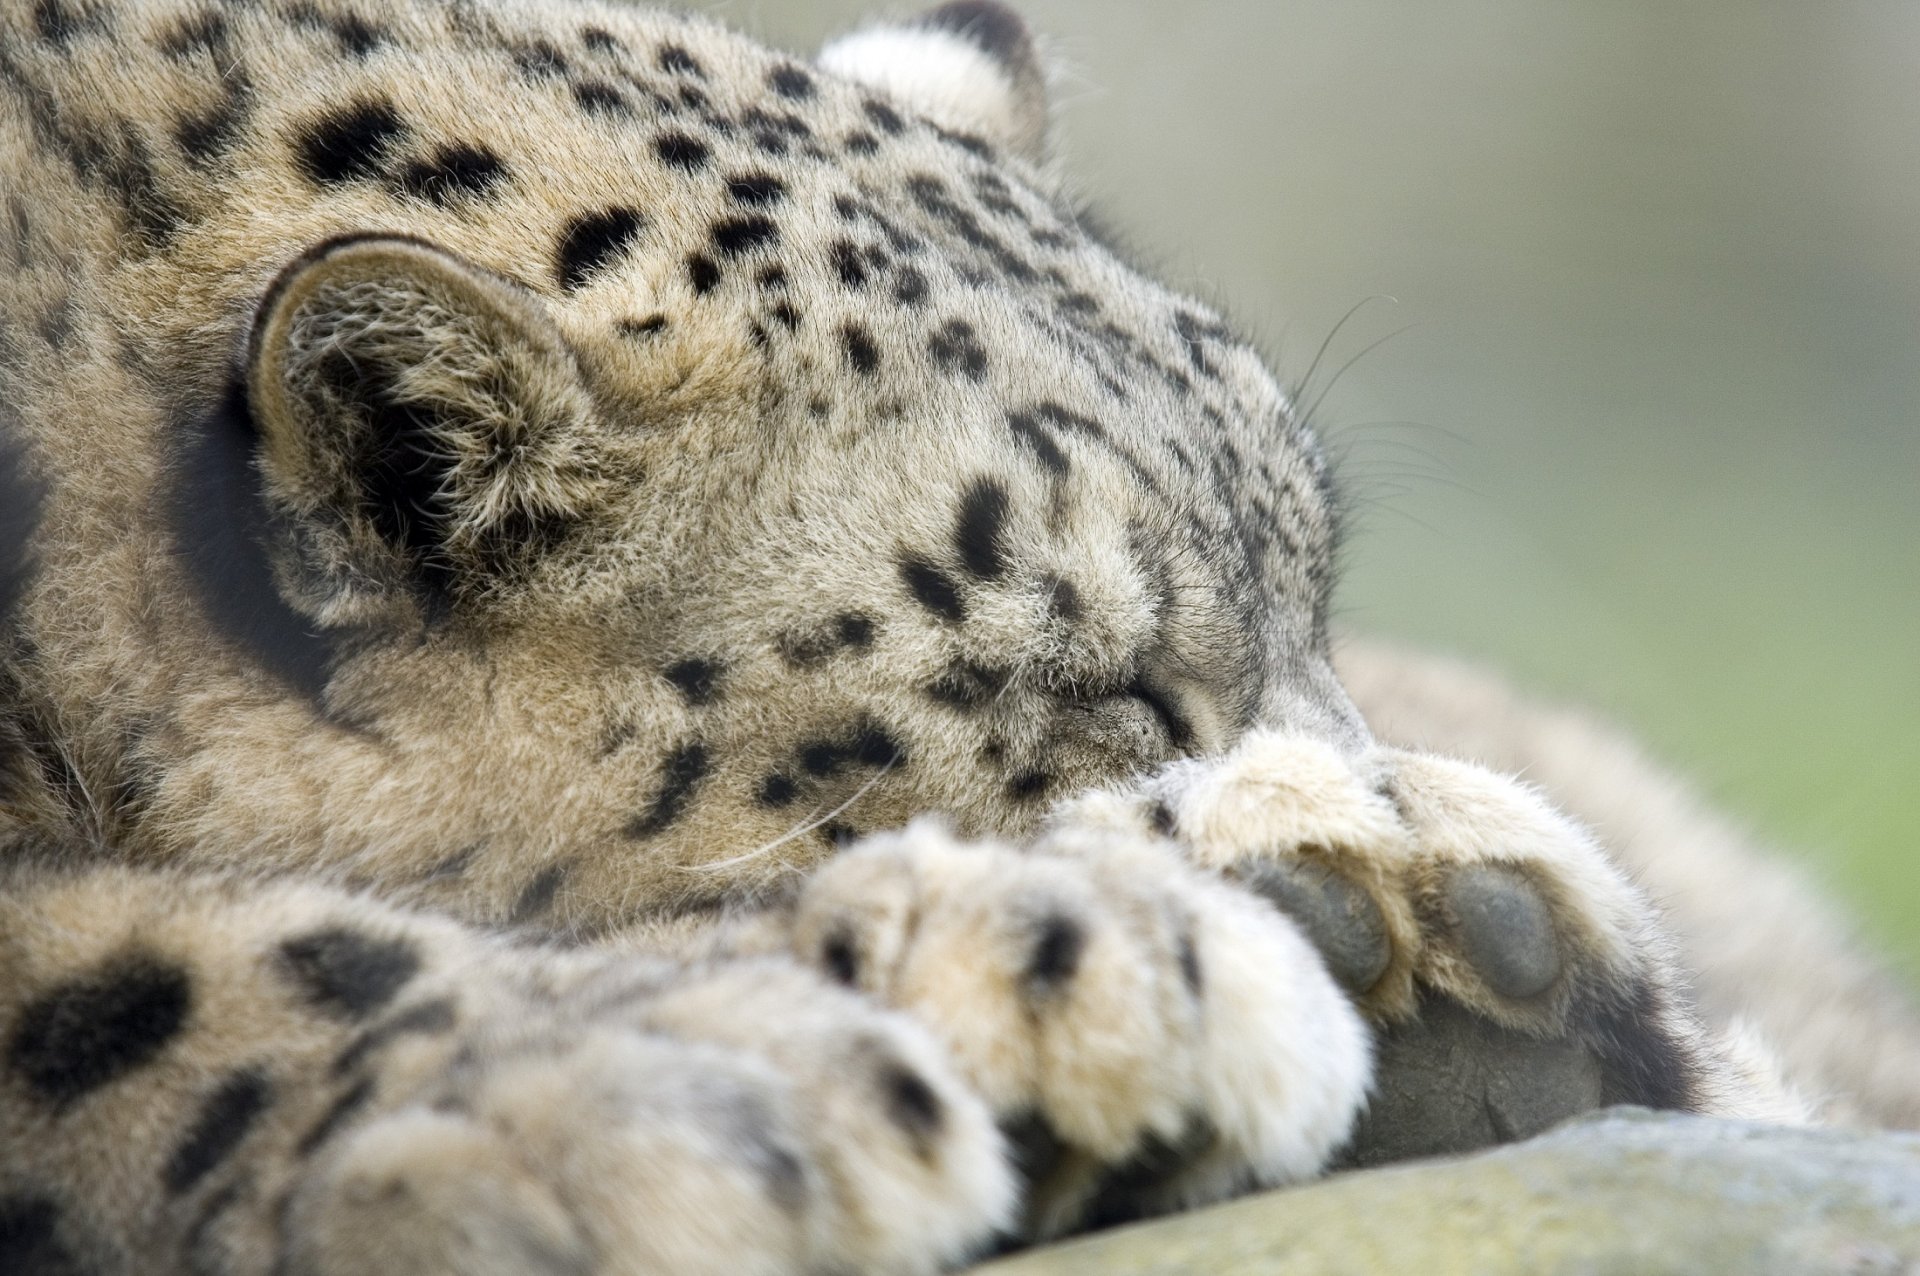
(1649, 440)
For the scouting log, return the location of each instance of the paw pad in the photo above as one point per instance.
(1339, 917)
(1505, 929)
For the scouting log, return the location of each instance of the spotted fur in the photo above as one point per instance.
(512, 511)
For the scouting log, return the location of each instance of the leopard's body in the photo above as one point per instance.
(517, 487)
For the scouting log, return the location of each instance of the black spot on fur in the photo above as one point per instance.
(677, 60)
(428, 1018)
(30, 1243)
(873, 747)
(867, 745)
(756, 189)
(979, 531)
(992, 28)
(968, 142)
(536, 897)
(1038, 438)
(57, 24)
(847, 263)
(933, 589)
(702, 273)
(696, 679)
(204, 136)
(681, 151)
(1056, 952)
(225, 1117)
(861, 142)
(855, 629)
(791, 82)
(788, 317)
(933, 197)
(1063, 598)
(957, 349)
(839, 835)
(1195, 332)
(822, 758)
(1028, 785)
(805, 648)
(680, 775)
(601, 41)
(777, 790)
(592, 242)
(910, 287)
(863, 356)
(597, 97)
(913, 1106)
(122, 164)
(884, 116)
(350, 144)
(337, 1117)
(540, 60)
(199, 33)
(737, 235)
(839, 957)
(83, 1034)
(1160, 819)
(650, 326)
(348, 972)
(966, 685)
(452, 173)
(354, 34)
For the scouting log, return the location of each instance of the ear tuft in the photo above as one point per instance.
(423, 426)
(969, 65)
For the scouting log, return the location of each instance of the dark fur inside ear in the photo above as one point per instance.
(221, 529)
(403, 475)
(424, 429)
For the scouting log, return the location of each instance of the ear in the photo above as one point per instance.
(970, 66)
(423, 428)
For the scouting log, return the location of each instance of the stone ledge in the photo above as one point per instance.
(1624, 1191)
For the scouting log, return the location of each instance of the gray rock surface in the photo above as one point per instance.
(1623, 1192)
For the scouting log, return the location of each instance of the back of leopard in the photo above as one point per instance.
(517, 489)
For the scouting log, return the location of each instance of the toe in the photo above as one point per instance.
(1341, 919)
(1505, 929)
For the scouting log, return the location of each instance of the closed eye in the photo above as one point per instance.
(1179, 730)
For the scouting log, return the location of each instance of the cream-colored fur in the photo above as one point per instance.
(637, 655)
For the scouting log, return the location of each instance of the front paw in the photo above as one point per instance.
(1515, 975)
(736, 1118)
(1153, 1037)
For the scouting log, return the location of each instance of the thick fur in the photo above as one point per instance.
(636, 654)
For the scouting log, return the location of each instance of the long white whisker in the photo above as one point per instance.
(797, 831)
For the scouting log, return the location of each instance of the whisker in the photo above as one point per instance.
(1307, 380)
(799, 830)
